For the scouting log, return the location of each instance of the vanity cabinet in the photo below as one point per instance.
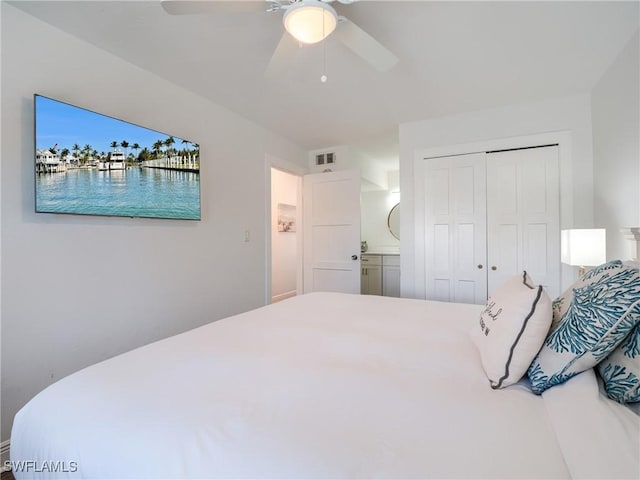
(391, 275)
(380, 275)
(371, 275)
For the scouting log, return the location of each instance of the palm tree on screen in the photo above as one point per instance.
(76, 151)
(169, 143)
(86, 152)
(135, 147)
(157, 146)
(144, 155)
(186, 144)
(196, 156)
(124, 144)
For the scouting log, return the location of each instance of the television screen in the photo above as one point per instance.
(91, 164)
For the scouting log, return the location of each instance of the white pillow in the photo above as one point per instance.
(511, 329)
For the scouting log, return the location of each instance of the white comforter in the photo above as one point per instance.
(326, 386)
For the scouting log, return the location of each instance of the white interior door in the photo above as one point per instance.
(455, 228)
(523, 216)
(332, 232)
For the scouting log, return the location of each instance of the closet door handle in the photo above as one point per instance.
(480, 266)
(493, 267)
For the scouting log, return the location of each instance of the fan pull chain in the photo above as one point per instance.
(323, 78)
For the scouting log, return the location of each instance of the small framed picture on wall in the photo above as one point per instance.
(286, 218)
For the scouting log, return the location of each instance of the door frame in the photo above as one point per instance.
(298, 171)
(564, 141)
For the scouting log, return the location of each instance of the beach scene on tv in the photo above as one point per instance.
(92, 164)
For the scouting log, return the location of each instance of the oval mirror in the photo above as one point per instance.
(393, 221)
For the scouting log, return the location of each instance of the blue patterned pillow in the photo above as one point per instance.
(591, 319)
(621, 370)
(561, 304)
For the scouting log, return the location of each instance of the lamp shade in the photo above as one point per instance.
(584, 246)
(310, 21)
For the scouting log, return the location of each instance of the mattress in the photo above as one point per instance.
(323, 385)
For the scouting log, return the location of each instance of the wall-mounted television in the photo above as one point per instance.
(88, 163)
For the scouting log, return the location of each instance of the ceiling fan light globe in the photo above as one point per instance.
(310, 21)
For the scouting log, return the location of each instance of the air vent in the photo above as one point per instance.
(325, 158)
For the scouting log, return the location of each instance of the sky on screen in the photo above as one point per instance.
(65, 125)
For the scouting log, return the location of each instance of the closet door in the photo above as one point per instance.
(455, 228)
(523, 212)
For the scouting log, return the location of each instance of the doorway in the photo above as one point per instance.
(299, 256)
(285, 235)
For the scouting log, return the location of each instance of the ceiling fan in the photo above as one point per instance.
(321, 21)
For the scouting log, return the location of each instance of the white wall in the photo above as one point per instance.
(615, 103)
(172, 275)
(572, 114)
(375, 207)
(284, 245)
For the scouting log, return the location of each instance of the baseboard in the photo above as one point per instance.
(4, 455)
(283, 296)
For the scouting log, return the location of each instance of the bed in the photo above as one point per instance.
(323, 385)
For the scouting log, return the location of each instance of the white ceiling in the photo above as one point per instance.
(454, 57)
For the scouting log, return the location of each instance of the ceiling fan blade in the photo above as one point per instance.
(282, 56)
(188, 7)
(365, 46)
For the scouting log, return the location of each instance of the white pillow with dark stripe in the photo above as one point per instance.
(511, 329)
